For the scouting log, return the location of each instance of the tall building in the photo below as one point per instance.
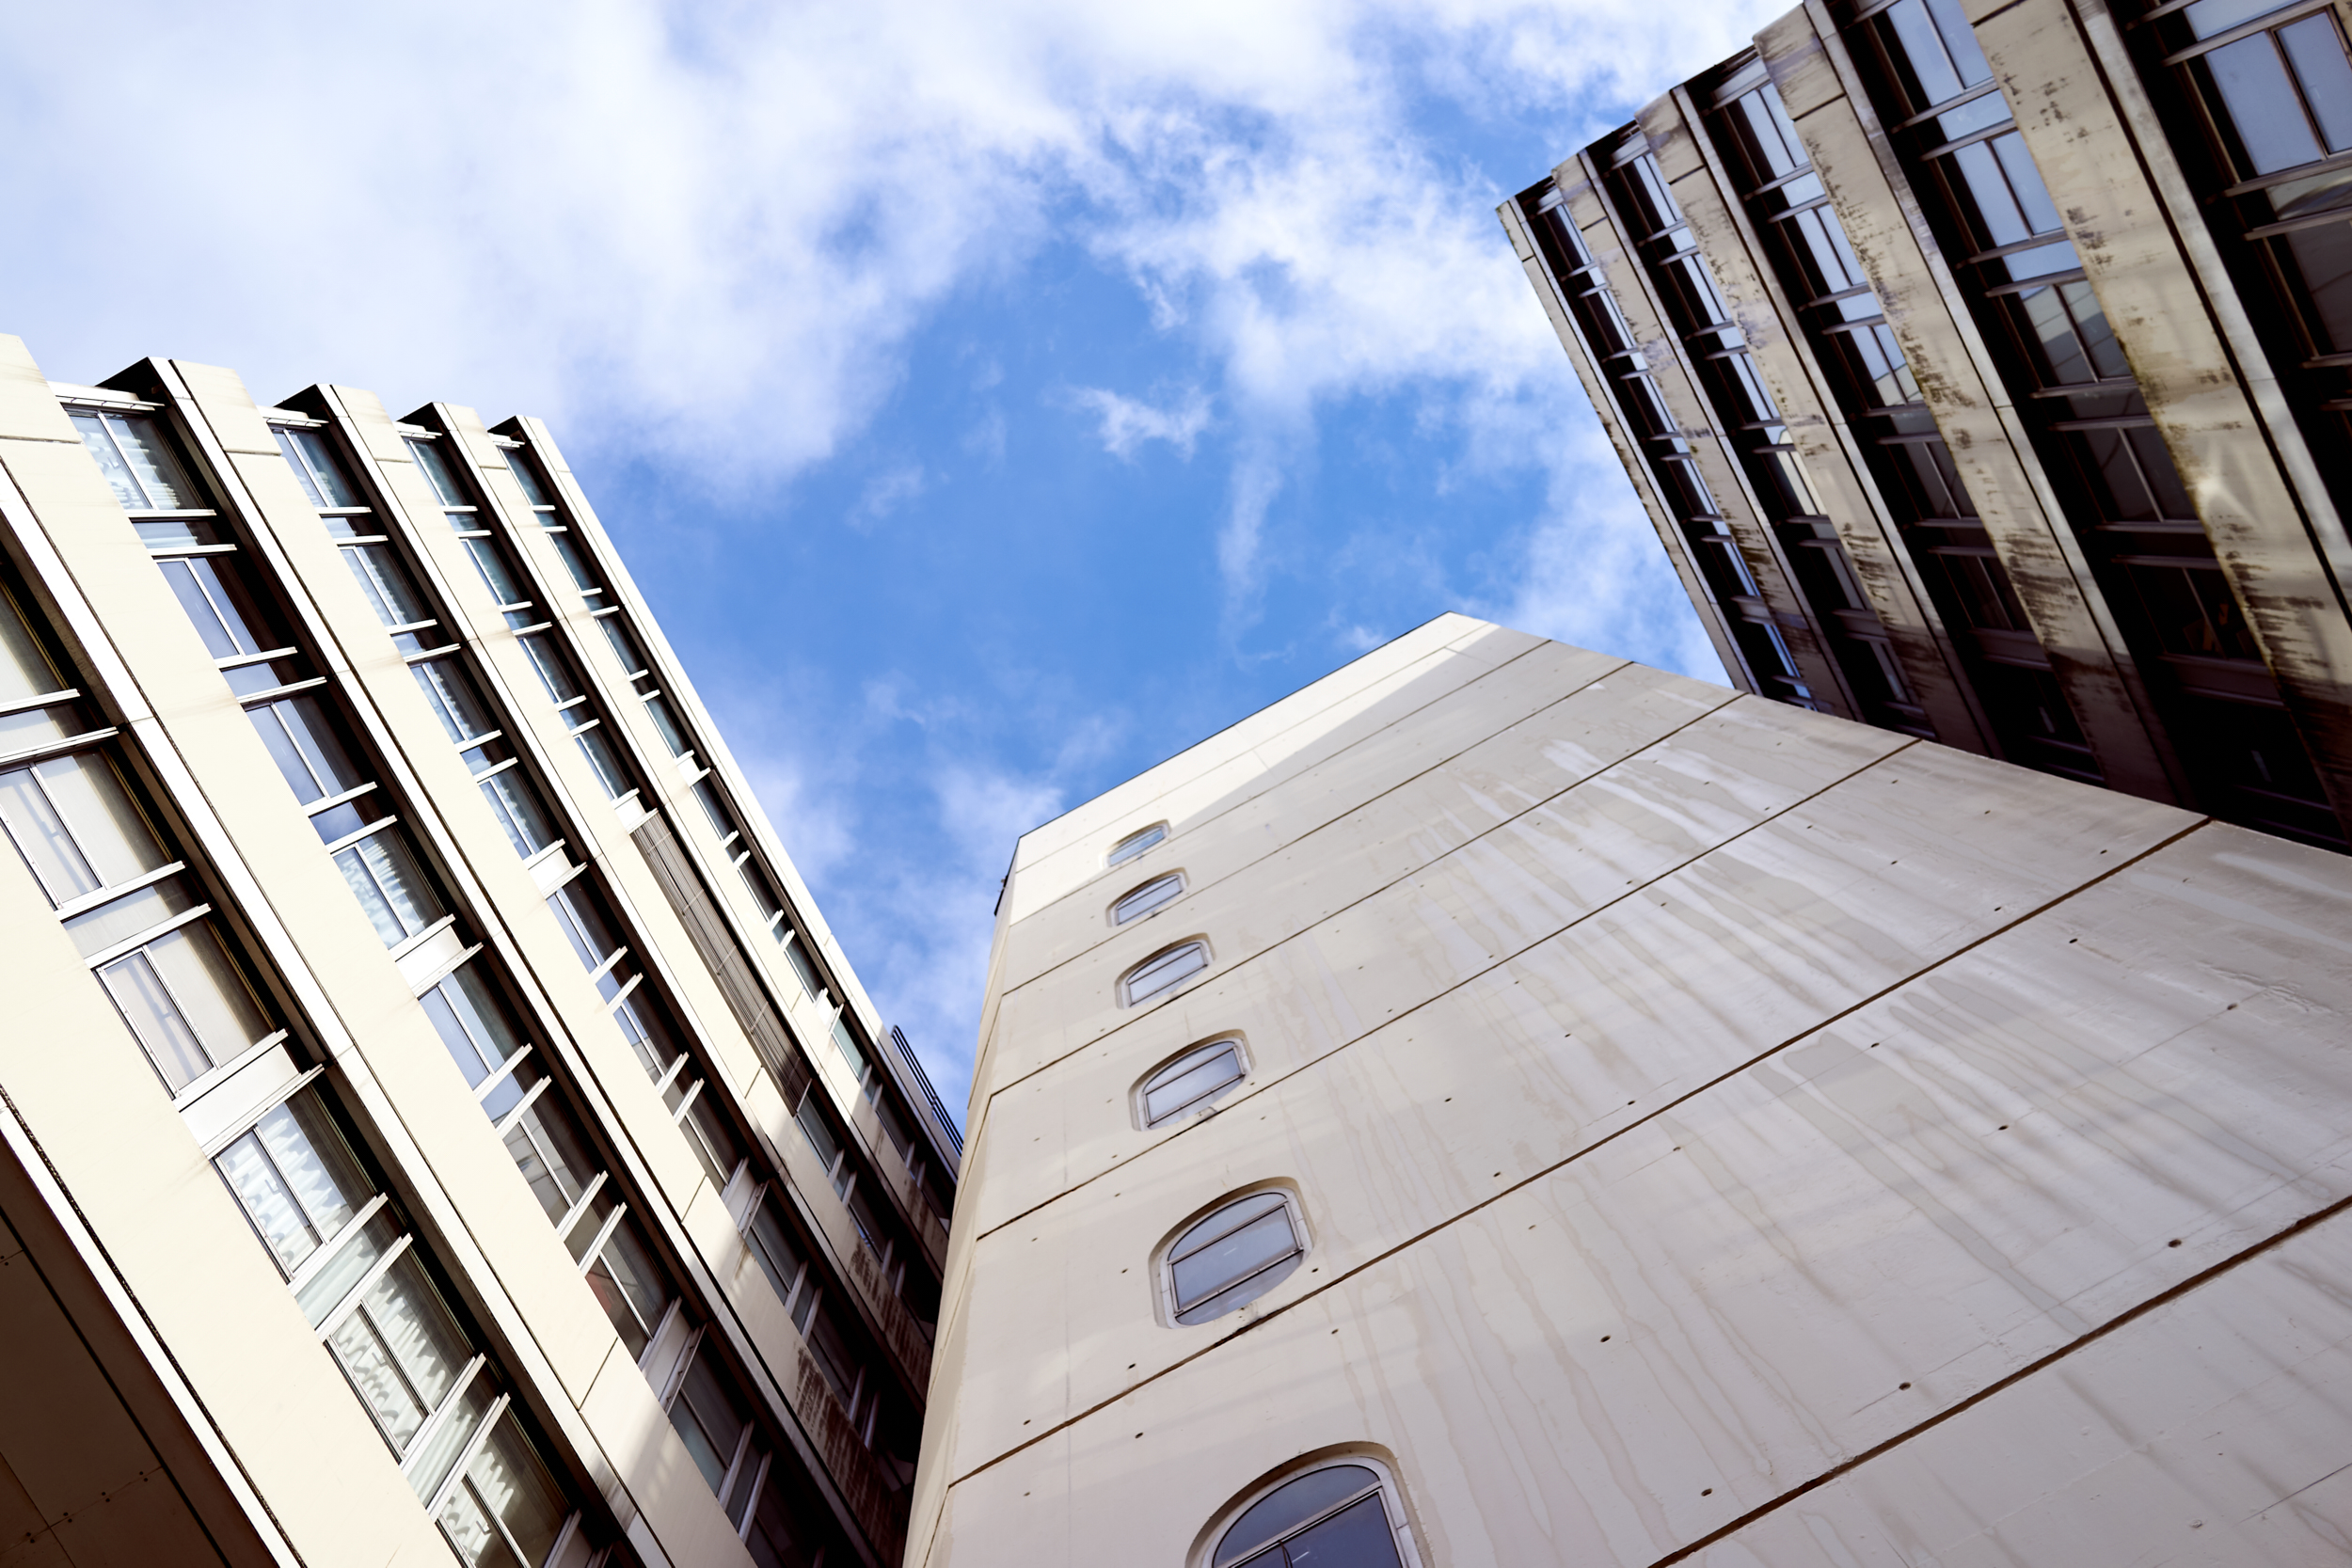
(1504, 1105)
(433, 1116)
(1984, 369)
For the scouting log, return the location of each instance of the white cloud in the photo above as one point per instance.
(1127, 423)
(717, 228)
(884, 494)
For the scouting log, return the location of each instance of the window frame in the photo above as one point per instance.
(1182, 887)
(1163, 955)
(1208, 1552)
(1167, 1256)
(1140, 1096)
(1137, 844)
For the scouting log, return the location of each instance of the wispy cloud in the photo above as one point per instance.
(1128, 422)
(715, 232)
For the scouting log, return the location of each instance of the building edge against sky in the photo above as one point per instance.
(1986, 369)
(436, 1116)
(1504, 1104)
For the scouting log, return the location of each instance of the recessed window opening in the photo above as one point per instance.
(1149, 896)
(1195, 1078)
(1136, 844)
(1338, 1516)
(1163, 973)
(1234, 1256)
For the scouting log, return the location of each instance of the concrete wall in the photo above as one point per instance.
(1720, 1131)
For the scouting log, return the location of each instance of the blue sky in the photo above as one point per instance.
(992, 401)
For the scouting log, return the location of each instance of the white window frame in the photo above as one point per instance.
(1153, 908)
(1164, 1258)
(1140, 1096)
(1390, 1492)
(1127, 995)
(1130, 848)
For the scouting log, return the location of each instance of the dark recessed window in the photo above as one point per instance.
(1338, 1516)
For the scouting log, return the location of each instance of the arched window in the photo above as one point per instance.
(1149, 896)
(1234, 1256)
(1195, 1078)
(1136, 844)
(1163, 972)
(1339, 1516)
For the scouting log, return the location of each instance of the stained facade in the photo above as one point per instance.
(437, 1118)
(1983, 370)
(1601, 1118)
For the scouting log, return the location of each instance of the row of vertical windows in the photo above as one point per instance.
(1839, 311)
(334, 1235)
(2259, 103)
(1666, 450)
(1733, 382)
(2156, 565)
(540, 1130)
(570, 693)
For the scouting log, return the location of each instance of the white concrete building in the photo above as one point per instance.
(434, 1114)
(1505, 1105)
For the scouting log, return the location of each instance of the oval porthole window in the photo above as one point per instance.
(1164, 972)
(1151, 895)
(1234, 1256)
(1136, 844)
(1338, 1516)
(1195, 1078)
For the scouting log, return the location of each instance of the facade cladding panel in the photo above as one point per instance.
(436, 1119)
(1671, 1126)
(1998, 353)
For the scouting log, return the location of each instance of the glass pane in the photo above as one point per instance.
(496, 575)
(127, 916)
(2315, 49)
(1167, 971)
(451, 691)
(226, 619)
(829, 1349)
(43, 839)
(385, 583)
(1149, 896)
(267, 1201)
(1137, 843)
(553, 1159)
(1288, 1507)
(156, 1020)
(665, 722)
(435, 464)
(382, 873)
(526, 475)
(623, 645)
(517, 806)
(472, 1022)
(101, 449)
(555, 671)
(295, 1154)
(712, 1140)
(1355, 1537)
(25, 670)
(2263, 107)
(779, 1257)
(506, 1481)
(1234, 1258)
(574, 563)
(1180, 1085)
(2208, 18)
(630, 1286)
(327, 1289)
(610, 771)
(430, 1465)
(212, 996)
(113, 837)
(325, 468)
(708, 1420)
(408, 1324)
(158, 471)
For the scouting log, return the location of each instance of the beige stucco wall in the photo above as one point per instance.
(1720, 1128)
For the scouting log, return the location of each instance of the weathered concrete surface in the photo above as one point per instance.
(1721, 1129)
